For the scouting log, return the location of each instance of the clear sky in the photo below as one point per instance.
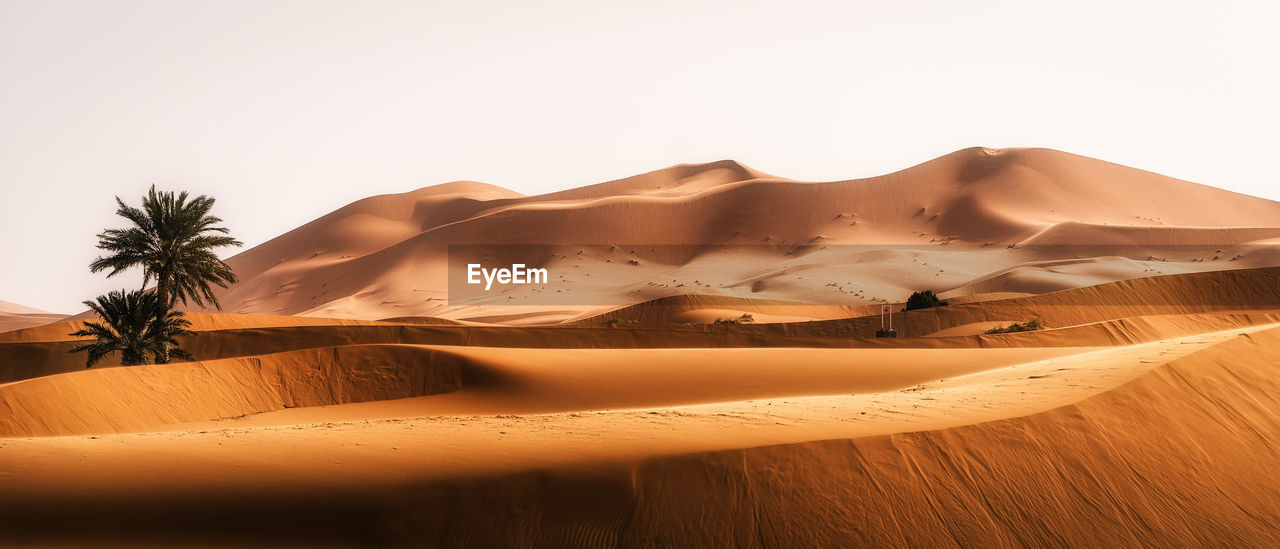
(286, 110)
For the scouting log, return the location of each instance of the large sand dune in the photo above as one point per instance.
(975, 221)
(1186, 299)
(709, 375)
(1143, 416)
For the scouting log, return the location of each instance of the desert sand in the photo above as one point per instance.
(975, 221)
(341, 399)
(16, 317)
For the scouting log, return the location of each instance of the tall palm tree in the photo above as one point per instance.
(172, 239)
(136, 324)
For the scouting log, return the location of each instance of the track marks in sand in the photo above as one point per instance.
(517, 441)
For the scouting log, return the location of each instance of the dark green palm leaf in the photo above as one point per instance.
(137, 325)
(172, 239)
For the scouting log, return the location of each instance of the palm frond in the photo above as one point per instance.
(172, 240)
(136, 324)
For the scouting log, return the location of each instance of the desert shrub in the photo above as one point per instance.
(1035, 324)
(923, 300)
(746, 318)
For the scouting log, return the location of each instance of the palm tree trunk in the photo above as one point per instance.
(162, 295)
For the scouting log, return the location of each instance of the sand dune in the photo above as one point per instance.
(16, 317)
(1239, 290)
(488, 380)
(386, 256)
(702, 371)
(132, 399)
(43, 351)
(962, 460)
(10, 322)
(200, 322)
(14, 308)
(703, 309)
(1180, 457)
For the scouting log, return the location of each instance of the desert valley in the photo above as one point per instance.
(701, 368)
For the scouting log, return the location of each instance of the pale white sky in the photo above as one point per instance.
(286, 110)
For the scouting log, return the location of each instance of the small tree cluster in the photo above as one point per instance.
(173, 240)
(923, 300)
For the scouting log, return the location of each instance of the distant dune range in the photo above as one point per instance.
(17, 317)
(945, 225)
(977, 221)
(700, 399)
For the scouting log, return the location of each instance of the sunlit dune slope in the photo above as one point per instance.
(141, 397)
(1184, 456)
(488, 380)
(1163, 443)
(684, 308)
(200, 322)
(1220, 295)
(385, 256)
(1238, 290)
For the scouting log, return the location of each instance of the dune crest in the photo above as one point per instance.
(17, 317)
(1149, 395)
(386, 256)
(715, 370)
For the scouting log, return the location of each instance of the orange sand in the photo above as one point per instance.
(1144, 415)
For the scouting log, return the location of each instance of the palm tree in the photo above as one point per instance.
(172, 239)
(136, 324)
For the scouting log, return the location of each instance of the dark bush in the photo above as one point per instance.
(1029, 326)
(923, 300)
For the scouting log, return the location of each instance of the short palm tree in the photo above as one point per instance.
(136, 324)
(172, 239)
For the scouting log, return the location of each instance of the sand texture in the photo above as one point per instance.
(976, 221)
(708, 398)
